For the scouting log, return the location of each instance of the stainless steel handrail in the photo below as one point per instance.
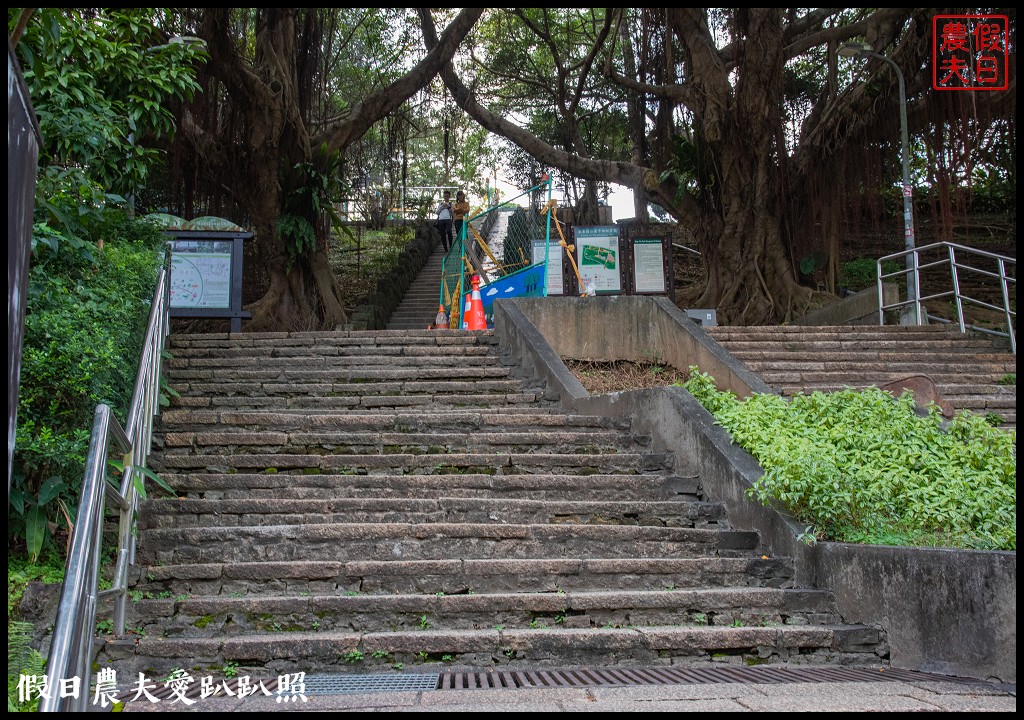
(915, 266)
(75, 627)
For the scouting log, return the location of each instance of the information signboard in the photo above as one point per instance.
(597, 255)
(206, 274)
(201, 273)
(649, 266)
(555, 278)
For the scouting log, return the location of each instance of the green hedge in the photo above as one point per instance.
(88, 305)
(862, 466)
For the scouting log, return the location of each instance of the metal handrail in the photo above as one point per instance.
(914, 267)
(75, 627)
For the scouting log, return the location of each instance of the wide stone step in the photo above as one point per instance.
(335, 390)
(455, 577)
(362, 443)
(292, 399)
(163, 513)
(282, 485)
(932, 367)
(865, 378)
(859, 357)
(857, 332)
(432, 541)
(355, 374)
(391, 341)
(451, 421)
(774, 346)
(280, 652)
(723, 607)
(421, 464)
(302, 355)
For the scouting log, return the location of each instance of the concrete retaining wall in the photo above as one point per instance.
(858, 309)
(945, 611)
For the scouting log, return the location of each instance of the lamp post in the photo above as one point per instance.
(911, 315)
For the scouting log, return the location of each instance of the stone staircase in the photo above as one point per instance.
(418, 308)
(354, 502)
(970, 372)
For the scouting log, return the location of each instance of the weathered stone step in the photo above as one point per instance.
(858, 357)
(452, 420)
(432, 541)
(858, 332)
(336, 337)
(864, 378)
(723, 607)
(363, 443)
(536, 486)
(460, 577)
(163, 513)
(933, 367)
(301, 402)
(437, 463)
(776, 346)
(339, 651)
(328, 390)
(319, 354)
(441, 369)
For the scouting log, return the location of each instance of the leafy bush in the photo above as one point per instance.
(88, 304)
(862, 273)
(862, 466)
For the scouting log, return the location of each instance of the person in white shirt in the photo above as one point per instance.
(444, 220)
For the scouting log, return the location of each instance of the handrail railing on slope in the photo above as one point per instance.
(949, 255)
(71, 648)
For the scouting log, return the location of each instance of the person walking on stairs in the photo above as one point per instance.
(460, 210)
(444, 220)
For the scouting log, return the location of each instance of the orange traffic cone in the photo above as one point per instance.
(441, 321)
(475, 319)
(465, 311)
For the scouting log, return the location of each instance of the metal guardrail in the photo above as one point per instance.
(71, 648)
(953, 255)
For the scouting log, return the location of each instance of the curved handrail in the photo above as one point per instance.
(74, 629)
(913, 270)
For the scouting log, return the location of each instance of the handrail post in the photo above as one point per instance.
(1003, 282)
(75, 627)
(881, 294)
(956, 289)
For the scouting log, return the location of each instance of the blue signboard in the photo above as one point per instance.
(528, 282)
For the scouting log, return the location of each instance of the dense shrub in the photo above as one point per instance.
(862, 466)
(862, 273)
(88, 304)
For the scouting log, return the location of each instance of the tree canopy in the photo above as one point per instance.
(744, 125)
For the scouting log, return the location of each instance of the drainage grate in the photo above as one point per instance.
(477, 679)
(622, 677)
(369, 683)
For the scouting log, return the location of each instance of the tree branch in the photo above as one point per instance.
(362, 116)
(622, 173)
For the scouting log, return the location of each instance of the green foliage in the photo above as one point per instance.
(22, 659)
(49, 569)
(862, 466)
(85, 320)
(862, 273)
(103, 83)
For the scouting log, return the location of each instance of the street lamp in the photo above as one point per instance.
(912, 313)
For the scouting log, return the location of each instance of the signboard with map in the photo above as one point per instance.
(600, 265)
(206, 272)
(201, 273)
